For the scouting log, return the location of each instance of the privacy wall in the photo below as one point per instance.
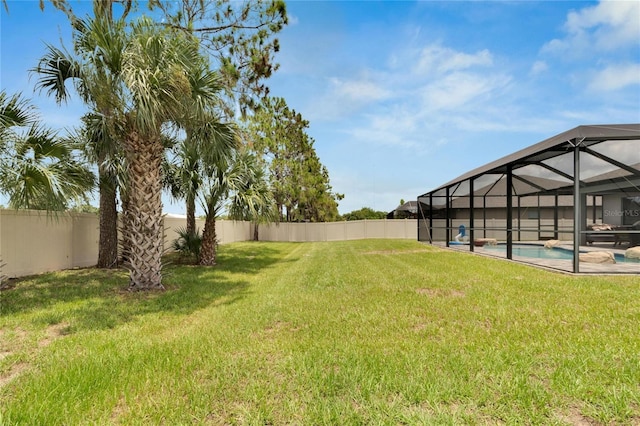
(32, 242)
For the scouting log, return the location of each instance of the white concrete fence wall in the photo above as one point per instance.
(33, 242)
(340, 231)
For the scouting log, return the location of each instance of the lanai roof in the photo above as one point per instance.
(562, 144)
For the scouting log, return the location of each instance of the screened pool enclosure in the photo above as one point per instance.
(578, 191)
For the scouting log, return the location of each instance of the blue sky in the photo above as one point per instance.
(403, 96)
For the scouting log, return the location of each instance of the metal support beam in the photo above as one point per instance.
(576, 207)
(555, 217)
(554, 170)
(447, 218)
(539, 221)
(484, 216)
(509, 212)
(519, 223)
(610, 160)
(528, 182)
(471, 215)
(430, 217)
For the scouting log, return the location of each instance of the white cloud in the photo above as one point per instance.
(357, 90)
(389, 128)
(460, 89)
(396, 107)
(344, 97)
(441, 60)
(412, 84)
(292, 19)
(539, 67)
(609, 25)
(615, 77)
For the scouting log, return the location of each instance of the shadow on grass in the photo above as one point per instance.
(90, 299)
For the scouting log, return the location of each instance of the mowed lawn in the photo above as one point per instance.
(375, 332)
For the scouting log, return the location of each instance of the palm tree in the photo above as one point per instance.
(255, 204)
(40, 170)
(182, 178)
(258, 205)
(254, 201)
(160, 74)
(139, 80)
(242, 181)
(101, 149)
(208, 141)
(95, 74)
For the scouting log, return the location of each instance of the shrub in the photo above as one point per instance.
(188, 243)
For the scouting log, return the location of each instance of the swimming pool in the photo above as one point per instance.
(539, 252)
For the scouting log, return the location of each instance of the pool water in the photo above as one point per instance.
(539, 252)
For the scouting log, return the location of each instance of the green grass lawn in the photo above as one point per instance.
(342, 333)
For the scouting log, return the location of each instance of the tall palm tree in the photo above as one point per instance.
(101, 149)
(160, 74)
(94, 70)
(139, 79)
(39, 169)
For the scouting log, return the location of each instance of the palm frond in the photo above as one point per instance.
(15, 111)
(44, 172)
(54, 69)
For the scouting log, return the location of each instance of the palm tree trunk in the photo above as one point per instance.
(191, 214)
(125, 241)
(108, 243)
(255, 231)
(208, 247)
(144, 157)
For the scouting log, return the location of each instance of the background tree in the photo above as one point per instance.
(100, 7)
(238, 36)
(182, 177)
(253, 201)
(316, 201)
(364, 213)
(299, 182)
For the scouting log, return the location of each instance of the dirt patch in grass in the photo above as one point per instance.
(120, 409)
(54, 332)
(12, 373)
(419, 327)
(440, 292)
(575, 418)
(280, 326)
(12, 340)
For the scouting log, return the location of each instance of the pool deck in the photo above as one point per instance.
(559, 264)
